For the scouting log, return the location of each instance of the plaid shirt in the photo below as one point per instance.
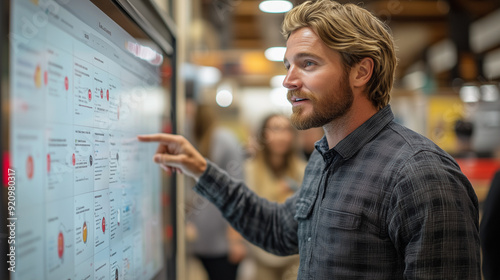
(384, 203)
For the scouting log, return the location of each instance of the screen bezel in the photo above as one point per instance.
(4, 127)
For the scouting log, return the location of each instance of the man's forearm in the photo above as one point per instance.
(268, 225)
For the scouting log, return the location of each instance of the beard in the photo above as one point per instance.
(326, 109)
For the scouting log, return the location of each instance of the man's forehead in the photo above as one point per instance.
(300, 41)
(302, 36)
(305, 43)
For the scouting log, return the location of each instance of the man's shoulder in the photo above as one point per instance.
(412, 143)
(404, 153)
(423, 158)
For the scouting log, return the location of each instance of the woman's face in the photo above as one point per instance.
(278, 135)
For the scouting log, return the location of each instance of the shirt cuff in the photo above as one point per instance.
(213, 183)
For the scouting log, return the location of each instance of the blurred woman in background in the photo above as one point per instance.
(275, 173)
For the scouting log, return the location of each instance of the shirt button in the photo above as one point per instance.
(309, 239)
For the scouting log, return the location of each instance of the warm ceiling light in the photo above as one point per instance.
(275, 53)
(275, 6)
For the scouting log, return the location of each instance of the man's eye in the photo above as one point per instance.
(308, 63)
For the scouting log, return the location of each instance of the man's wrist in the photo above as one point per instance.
(201, 170)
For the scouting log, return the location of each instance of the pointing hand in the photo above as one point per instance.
(175, 153)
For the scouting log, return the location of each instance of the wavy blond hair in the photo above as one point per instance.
(353, 32)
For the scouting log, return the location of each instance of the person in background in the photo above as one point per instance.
(216, 244)
(464, 130)
(275, 173)
(378, 200)
(490, 231)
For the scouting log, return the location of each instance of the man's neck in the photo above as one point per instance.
(340, 128)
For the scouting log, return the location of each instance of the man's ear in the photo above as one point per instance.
(362, 72)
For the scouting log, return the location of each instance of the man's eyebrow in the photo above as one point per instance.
(302, 55)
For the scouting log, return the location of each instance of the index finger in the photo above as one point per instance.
(158, 137)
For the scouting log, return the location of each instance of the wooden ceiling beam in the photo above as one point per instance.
(408, 9)
(247, 44)
(247, 8)
(246, 29)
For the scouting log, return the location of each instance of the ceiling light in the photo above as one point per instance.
(275, 6)
(224, 98)
(275, 53)
(208, 76)
(489, 93)
(469, 94)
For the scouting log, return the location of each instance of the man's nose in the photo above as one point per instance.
(292, 80)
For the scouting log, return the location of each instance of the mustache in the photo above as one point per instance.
(298, 93)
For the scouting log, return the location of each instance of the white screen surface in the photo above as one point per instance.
(87, 193)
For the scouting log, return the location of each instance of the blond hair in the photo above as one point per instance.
(353, 32)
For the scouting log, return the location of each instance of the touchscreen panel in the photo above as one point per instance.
(87, 193)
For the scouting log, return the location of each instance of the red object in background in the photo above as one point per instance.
(169, 232)
(479, 168)
(102, 94)
(73, 159)
(45, 77)
(107, 94)
(166, 71)
(165, 199)
(167, 127)
(90, 95)
(103, 225)
(6, 166)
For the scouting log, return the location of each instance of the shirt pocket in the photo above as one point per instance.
(304, 208)
(340, 220)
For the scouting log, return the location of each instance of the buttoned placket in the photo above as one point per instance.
(330, 160)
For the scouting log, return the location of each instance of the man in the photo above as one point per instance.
(378, 200)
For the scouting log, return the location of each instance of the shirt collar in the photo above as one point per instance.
(351, 144)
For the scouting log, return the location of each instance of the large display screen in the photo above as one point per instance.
(87, 194)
